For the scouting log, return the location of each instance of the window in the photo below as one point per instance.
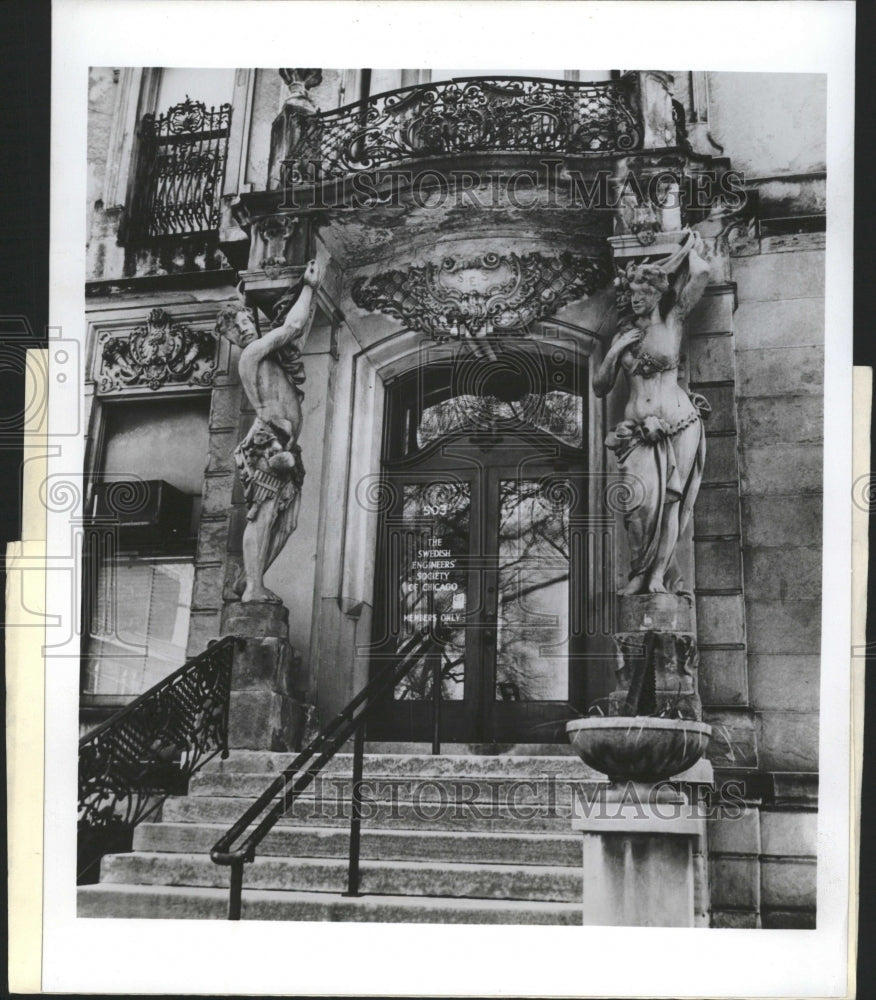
(139, 626)
(181, 157)
(141, 588)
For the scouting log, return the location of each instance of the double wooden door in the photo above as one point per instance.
(480, 563)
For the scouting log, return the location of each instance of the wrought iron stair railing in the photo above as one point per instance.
(148, 750)
(465, 115)
(239, 844)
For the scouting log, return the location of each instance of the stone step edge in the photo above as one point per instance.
(336, 831)
(304, 797)
(462, 867)
(337, 777)
(515, 760)
(420, 788)
(501, 810)
(303, 841)
(449, 903)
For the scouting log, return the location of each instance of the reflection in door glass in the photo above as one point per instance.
(533, 591)
(428, 558)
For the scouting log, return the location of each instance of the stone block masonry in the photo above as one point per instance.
(779, 338)
(757, 537)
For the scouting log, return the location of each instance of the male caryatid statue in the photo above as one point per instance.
(268, 459)
(660, 445)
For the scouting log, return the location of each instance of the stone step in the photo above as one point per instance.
(403, 878)
(459, 816)
(516, 790)
(563, 749)
(378, 845)
(171, 902)
(413, 765)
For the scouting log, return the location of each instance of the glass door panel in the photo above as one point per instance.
(429, 552)
(532, 627)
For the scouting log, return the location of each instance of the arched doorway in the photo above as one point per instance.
(483, 544)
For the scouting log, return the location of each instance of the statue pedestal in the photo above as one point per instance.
(285, 131)
(641, 844)
(644, 860)
(266, 711)
(657, 657)
(655, 613)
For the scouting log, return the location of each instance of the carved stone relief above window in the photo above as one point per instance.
(492, 293)
(158, 354)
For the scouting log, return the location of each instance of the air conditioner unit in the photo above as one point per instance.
(146, 511)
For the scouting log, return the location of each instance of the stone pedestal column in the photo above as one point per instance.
(656, 104)
(644, 839)
(264, 712)
(656, 657)
(639, 847)
(285, 131)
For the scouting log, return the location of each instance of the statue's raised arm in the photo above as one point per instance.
(693, 275)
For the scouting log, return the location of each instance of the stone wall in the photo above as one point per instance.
(780, 359)
(763, 862)
(103, 257)
(770, 123)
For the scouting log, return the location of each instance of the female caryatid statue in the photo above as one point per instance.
(660, 445)
(268, 458)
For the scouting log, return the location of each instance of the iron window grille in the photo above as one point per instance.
(180, 173)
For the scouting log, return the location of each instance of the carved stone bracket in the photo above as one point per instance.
(273, 227)
(492, 293)
(160, 353)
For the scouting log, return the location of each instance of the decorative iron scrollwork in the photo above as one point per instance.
(491, 294)
(181, 168)
(476, 114)
(156, 354)
(150, 749)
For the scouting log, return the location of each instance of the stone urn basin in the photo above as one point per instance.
(638, 747)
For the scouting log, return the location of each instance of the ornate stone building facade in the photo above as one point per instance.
(469, 234)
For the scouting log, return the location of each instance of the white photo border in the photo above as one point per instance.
(154, 956)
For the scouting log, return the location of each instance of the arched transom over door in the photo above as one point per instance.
(483, 557)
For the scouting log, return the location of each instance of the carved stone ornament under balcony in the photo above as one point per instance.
(160, 353)
(482, 295)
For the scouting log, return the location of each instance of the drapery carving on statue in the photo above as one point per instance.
(660, 445)
(268, 458)
(486, 294)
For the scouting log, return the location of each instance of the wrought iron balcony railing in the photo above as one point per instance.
(180, 170)
(149, 750)
(465, 115)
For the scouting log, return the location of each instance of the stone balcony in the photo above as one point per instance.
(442, 174)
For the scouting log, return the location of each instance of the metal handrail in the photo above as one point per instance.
(113, 720)
(278, 798)
(146, 750)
